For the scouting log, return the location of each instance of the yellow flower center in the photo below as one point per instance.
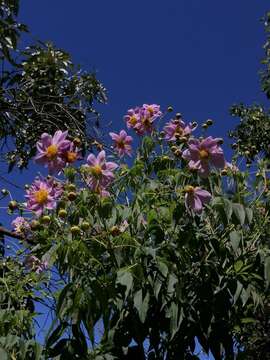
(96, 170)
(189, 189)
(203, 154)
(71, 156)
(121, 144)
(151, 110)
(41, 196)
(51, 151)
(178, 132)
(133, 120)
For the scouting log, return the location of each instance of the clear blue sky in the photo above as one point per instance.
(200, 56)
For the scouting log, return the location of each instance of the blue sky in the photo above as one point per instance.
(200, 56)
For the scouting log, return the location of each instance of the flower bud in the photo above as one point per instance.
(62, 213)
(169, 109)
(72, 196)
(35, 225)
(71, 187)
(178, 116)
(174, 148)
(209, 122)
(77, 141)
(4, 192)
(13, 205)
(45, 219)
(204, 126)
(85, 225)
(194, 124)
(234, 146)
(115, 231)
(75, 230)
(178, 153)
(224, 172)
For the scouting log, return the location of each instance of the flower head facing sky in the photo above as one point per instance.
(196, 198)
(42, 194)
(203, 154)
(122, 143)
(175, 129)
(51, 151)
(99, 171)
(141, 119)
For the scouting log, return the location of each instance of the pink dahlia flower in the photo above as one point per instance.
(100, 172)
(20, 225)
(176, 129)
(141, 119)
(153, 110)
(203, 154)
(42, 195)
(195, 198)
(132, 117)
(52, 149)
(34, 264)
(122, 143)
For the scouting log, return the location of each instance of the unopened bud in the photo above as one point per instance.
(72, 196)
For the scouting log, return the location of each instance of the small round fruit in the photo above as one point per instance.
(72, 196)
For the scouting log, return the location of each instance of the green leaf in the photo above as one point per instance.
(235, 239)
(141, 304)
(239, 211)
(267, 270)
(125, 278)
(3, 354)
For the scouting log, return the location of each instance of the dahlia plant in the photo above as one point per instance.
(152, 255)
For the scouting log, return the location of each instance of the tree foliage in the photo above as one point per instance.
(41, 91)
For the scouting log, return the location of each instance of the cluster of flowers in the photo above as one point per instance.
(56, 152)
(200, 154)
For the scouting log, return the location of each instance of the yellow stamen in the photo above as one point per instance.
(96, 170)
(133, 120)
(41, 196)
(121, 144)
(204, 154)
(51, 151)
